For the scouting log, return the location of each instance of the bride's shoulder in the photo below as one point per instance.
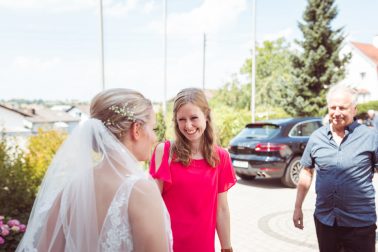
(144, 195)
(145, 186)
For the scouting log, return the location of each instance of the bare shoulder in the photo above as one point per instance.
(145, 187)
(145, 196)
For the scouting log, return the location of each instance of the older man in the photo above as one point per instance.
(344, 154)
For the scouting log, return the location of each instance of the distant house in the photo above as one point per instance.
(25, 122)
(48, 119)
(14, 121)
(76, 111)
(362, 71)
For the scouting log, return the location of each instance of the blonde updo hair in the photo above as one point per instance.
(135, 102)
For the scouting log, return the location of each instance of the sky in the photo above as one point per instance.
(50, 49)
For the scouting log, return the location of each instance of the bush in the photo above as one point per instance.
(18, 189)
(41, 150)
(364, 107)
(21, 172)
(229, 122)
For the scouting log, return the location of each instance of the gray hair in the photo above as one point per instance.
(352, 92)
(134, 102)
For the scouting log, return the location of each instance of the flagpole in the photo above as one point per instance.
(102, 47)
(165, 60)
(253, 62)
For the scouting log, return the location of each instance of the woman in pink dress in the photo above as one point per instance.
(194, 175)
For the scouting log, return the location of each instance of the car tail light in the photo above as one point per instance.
(266, 169)
(270, 147)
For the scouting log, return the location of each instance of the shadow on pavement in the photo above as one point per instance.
(262, 183)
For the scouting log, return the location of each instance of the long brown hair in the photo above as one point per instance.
(181, 148)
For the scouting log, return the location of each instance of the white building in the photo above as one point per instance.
(23, 123)
(14, 122)
(362, 71)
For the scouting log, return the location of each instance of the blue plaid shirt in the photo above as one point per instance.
(344, 174)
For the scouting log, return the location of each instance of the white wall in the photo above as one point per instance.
(11, 122)
(361, 73)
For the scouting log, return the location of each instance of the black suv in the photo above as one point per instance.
(272, 149)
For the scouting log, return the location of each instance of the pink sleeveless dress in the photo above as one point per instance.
(190, 194)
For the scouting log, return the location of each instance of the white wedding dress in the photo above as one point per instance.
(117, 235)
(85, 198)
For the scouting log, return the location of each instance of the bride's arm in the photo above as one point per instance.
(146, 215)
(52, 236)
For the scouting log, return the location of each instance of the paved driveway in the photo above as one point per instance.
(261, 218)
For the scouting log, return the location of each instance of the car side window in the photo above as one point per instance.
(304, 129)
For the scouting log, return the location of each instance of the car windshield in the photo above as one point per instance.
(259, 131)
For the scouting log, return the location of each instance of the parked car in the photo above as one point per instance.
(272, 149)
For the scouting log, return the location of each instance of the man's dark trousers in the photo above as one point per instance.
(345, 239)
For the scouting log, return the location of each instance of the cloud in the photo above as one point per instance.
(35, 64)
(286, 33)
(114, 8)
(211, 17)
(50, 78)
(50, 5)
(148, 7)
(119, 9)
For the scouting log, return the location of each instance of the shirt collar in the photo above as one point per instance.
(348, 129)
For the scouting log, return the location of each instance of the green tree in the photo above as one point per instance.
(273, 69)
(233, 94)
(161, 126)
(318, 66)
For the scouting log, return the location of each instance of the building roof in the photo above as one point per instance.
(15, 110)
(45, 115)
(368, 50)
(40, 114)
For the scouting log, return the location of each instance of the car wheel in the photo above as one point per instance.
(291, 177)
(245, 177)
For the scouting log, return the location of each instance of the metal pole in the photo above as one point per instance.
(253, 62)
(102, 47)
(165, 60)
(204, 61)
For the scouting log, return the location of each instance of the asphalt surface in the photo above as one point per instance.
(261, 218)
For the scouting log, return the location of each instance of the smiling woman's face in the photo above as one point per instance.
(191, 122)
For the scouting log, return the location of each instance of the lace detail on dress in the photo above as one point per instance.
(118, 235)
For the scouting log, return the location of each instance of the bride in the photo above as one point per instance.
(95, 196)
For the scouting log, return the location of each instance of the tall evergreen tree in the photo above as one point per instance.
(319, 65)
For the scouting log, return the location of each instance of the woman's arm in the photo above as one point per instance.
(149, 229)
(223, 221)
(52, 236)
(158, 159)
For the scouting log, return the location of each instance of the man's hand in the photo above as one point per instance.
(298, 218)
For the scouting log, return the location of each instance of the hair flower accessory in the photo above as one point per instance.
(124, 111)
